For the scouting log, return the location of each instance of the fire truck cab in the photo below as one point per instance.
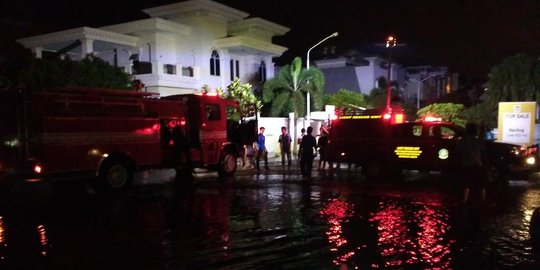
(78, 132)
(381, 146)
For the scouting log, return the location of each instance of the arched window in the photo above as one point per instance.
(214, 64)
(262, 72)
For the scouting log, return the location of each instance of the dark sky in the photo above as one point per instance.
(467, 36)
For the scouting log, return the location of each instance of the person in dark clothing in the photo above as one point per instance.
(472, 151)
(285, 147)
(180, 149)
(308, 149)
(322, 143)
(302, 134)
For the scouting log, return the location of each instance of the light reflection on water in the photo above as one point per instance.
(293, 225)
(413, 235)
(405, 235)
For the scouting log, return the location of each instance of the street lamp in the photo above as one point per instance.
(418, 90)
(390, 43)
(335, 34)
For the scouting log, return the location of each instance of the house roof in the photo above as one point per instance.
(58, 40)
(149, 25)
(196, 7)
(249, 45)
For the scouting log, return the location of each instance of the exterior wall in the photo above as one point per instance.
(366, 78)
(272, 126)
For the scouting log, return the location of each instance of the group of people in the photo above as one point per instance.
(471, 148)
(308, 149)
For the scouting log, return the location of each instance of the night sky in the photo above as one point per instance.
(467, 36)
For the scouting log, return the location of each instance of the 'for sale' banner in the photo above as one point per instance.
(516, 122)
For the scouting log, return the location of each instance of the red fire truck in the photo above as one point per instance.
(76, 132)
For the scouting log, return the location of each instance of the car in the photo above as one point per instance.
(382, 147)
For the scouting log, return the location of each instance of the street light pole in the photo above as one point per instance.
(418, 90)
(308, 98)
(390, 43)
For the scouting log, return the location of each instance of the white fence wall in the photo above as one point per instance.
(272, 126)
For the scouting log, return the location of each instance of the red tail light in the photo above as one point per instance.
(38, 169)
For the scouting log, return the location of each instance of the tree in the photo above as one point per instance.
(377, 97)
(517, 78)
(346, 99)
(243, 95)
(287, 91)
(449, 112)
(91, 71)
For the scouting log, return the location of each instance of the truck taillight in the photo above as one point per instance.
(399, 118)
(432, 119)
(38, 169)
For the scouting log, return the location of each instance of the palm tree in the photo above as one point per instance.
(287, 91)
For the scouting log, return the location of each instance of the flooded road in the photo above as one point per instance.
(274, 220)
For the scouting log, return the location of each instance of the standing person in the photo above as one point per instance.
(308, 150)
(322, 144)
(261, 149)
(249, 152)
(299, 141)
(472, 151)
(302, 134)
(285, 147)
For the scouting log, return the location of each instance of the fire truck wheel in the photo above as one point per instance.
(184, 174)
(497, 176)
(374, 169)
(115, 175)
(227, 166)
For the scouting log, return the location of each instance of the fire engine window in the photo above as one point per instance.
(407, 131)
(435, 132)
(417, 131)
(212, 112)
(441, 132)
(447, 133)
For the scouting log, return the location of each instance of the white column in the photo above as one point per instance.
(37, 52)
(87, 46)
(292, 131)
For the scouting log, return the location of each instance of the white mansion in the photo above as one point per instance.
(179, 49)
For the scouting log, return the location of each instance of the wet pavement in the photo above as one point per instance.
(269, 220)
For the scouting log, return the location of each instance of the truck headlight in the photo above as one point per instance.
(530, 161)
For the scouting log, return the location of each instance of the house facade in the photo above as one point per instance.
(180, 48)
(357, 75)
(418, 85)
